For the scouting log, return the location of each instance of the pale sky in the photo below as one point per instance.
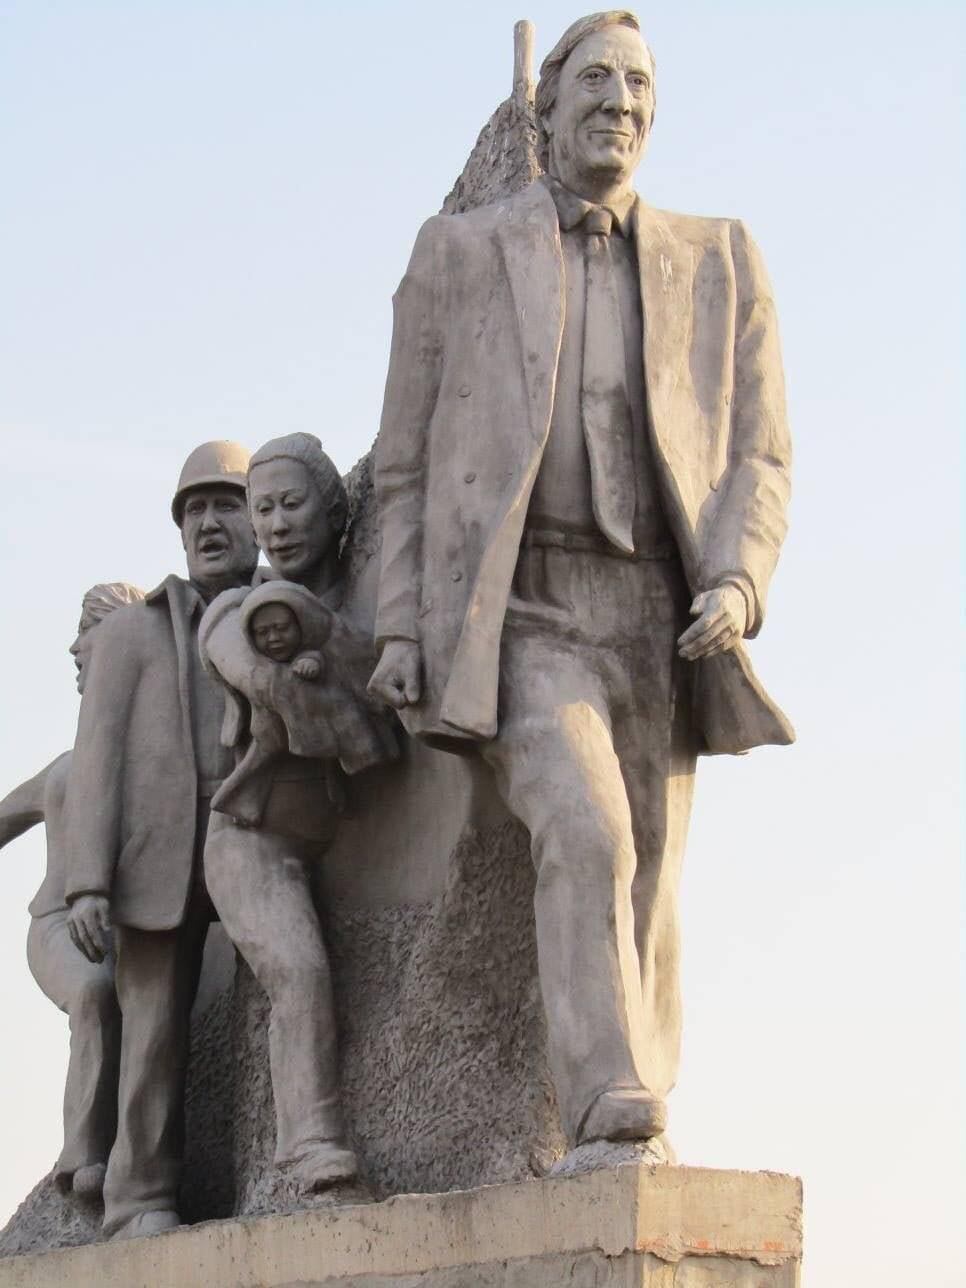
(206, 207)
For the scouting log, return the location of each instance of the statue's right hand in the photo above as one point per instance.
(397, 678)
(89, 924)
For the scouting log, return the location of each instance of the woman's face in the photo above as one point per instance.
(80, 651)
(292, 525)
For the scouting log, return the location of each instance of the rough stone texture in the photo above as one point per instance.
(443, 1057)
(627, 1227)
(504, 159)
(48, 1218)
(443, 1067)
(610, 1153)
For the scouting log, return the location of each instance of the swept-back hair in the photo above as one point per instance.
(552, 65)
(104, 598)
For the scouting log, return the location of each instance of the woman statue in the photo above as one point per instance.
(298, 717)
(83, 988)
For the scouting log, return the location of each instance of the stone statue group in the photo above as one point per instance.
(582, 474)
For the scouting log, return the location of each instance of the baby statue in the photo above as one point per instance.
(276, 633)
(255, 642)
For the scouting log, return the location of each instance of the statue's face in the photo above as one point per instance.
(217, 536)
(600, 121)
(292, 523)
(276, 632)
(80, 651)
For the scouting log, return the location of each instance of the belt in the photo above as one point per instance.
(595, 542)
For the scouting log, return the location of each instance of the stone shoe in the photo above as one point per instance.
(88, 1182)
(145, 1223)
(614, 1153)
(625, 1113)
(326, 1164)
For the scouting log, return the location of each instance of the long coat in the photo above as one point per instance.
(469, 396)
(132, 792)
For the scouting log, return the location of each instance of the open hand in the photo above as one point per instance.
(396, 680)
(89, 924)
(722, 620)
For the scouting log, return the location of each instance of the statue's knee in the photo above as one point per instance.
(95, 1001)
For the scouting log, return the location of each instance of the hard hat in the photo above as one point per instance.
(211, 463)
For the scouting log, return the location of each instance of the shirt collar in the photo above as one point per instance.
(571, 209)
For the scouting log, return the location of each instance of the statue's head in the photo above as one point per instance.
(95, 606)
(298, 504)
(595, 102)
(210, 509)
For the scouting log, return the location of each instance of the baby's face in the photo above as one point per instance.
(276, 632)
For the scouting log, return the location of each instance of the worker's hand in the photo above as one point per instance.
(722, 621)
(89, 924)
(397, 678)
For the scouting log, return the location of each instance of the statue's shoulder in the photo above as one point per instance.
(481, 222)
(699, 229)
(131, 624)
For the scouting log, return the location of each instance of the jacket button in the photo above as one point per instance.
(457, 576)
(464, 391)
(470, 477)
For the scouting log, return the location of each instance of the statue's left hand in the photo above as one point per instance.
(89, 925)
(722, 620)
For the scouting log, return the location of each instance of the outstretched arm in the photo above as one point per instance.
(23, 808)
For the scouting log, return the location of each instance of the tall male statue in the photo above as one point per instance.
(584, 440)
(146, 762)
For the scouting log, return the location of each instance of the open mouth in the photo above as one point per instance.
(213, 547)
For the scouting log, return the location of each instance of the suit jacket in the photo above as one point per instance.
(132, 794)
(469, 395)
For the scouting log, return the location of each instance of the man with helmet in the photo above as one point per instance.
(147, 761)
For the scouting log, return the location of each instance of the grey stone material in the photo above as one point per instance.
(584, 444)
(136, 825)
(420, 1003)
(646, 1227)
(83, 989)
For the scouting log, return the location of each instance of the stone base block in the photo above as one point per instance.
(632, 1226)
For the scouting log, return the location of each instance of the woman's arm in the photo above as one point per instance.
(24, 807)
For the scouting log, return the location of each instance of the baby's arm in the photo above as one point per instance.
(308, 665)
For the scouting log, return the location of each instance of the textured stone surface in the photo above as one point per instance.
(443, 1068)
(632, 1226)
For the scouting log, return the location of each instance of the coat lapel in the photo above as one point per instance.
(178, 607)
(666, 269)
(529, 238)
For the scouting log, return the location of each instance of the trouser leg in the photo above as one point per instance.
(85, 990)
(558, 773)
(658, 761)
(587, 700)
(157, 978)
(259, 884)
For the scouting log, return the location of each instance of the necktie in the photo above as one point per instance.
(604, 403)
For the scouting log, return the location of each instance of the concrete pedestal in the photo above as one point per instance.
(632, 1226)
